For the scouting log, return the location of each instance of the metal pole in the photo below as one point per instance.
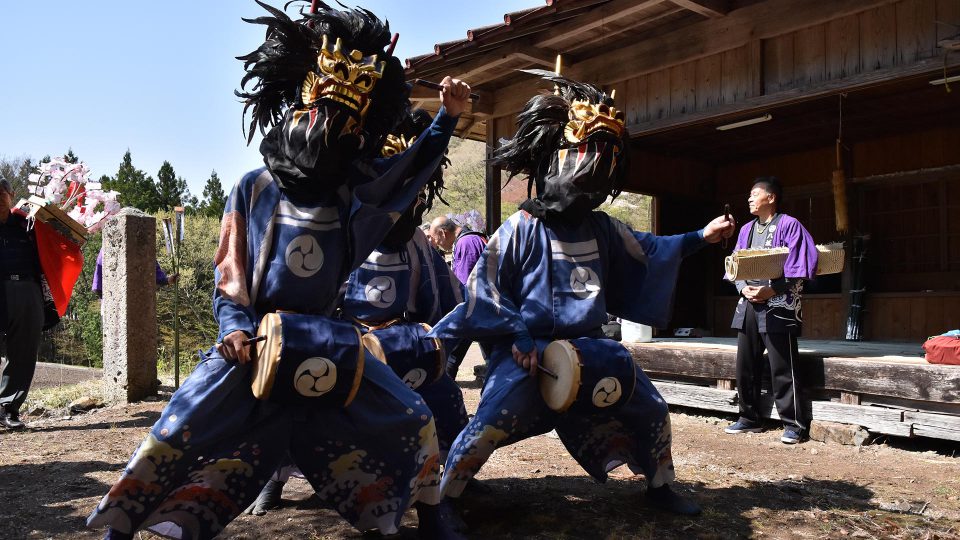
(178, 241)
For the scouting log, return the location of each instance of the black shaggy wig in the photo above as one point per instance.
(540, 128)
(278, 67)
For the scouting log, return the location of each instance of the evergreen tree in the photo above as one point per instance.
(170, 188)
(135, 187)
(17, 171)
(213, 197)
(70, 157)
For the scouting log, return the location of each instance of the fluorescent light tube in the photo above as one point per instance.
(742, 123)
(955, 78)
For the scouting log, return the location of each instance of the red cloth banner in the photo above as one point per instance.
(61, 261)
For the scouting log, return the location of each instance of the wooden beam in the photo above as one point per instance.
(707, 8)
(876, 419)
(908, 380)
(492, 181)
(593, 19)
(465, 131)
(581, 44)
(538, 57)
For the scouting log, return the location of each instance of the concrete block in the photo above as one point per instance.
(129, 307)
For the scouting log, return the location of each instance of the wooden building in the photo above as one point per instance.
(684, 68)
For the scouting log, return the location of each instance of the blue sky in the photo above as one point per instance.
(102, 76)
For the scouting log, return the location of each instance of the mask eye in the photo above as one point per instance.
(363, 82)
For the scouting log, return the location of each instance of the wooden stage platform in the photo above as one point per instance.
(887, 388)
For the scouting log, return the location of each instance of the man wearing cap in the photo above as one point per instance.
(21, 308)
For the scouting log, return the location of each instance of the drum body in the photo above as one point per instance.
(593, 375)
(307, 360)
(417, 359)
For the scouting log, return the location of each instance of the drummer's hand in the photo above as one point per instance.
(454, 95)
(721, 227)
(527, 361)
(233, 347)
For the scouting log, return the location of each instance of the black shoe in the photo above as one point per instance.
(664, 498)
(11, 420)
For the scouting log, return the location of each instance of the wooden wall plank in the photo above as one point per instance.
(709, 82)
(658, 94)
(843, 47)
(755, 66)
(809, 53)
(778, 63)
(621, 98)
(878, 37)
(683, 91)
(635, 100)
(918, 317)
(916, 30)
(948, 17)
(735, 74)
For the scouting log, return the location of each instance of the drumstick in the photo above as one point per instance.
(253, 340)
(436, 86)
(726, 214)
(548, 372)
(246, 342)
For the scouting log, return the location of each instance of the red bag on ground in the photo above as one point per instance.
(943, 350)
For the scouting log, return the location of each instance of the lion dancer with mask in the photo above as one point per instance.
(552, 272)
(329, 90)
(402, 286)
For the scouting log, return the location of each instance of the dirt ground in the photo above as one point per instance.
(750, 485)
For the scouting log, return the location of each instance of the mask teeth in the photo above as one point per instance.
(600, 147)
(581, 155)
(613, 162)
(338, 46)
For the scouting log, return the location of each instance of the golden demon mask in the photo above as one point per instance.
(344, 78)
(396, 144)
(587, 118)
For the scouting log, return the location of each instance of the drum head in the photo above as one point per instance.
(268, 355)
(372, 343)
(563, 359)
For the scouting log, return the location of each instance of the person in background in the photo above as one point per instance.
(21, 308)
(466, 244)
(162, 278)
(768, 314)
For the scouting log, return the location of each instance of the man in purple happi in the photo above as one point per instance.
(467, 245)
(162, 278)
(768, 314)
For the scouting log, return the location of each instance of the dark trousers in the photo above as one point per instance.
(24, 301)
(455, 357)
(782, 351)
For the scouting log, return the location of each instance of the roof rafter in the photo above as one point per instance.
(708, 8)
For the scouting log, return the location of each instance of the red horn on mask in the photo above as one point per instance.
(313, 6)
(393, 44)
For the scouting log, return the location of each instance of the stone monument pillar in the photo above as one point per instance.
(129, 307)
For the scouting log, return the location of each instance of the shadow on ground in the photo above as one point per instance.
(40, 499)
(142, 419)
(565, 507)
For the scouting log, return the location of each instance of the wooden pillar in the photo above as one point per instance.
(492, 181)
